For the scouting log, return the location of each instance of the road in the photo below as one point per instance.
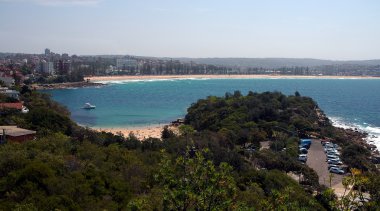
(317, 161)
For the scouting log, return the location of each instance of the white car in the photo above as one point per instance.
(332, 165)
(336, 170)
(302, 158)
(331, 157)
(332, 153)
(335, 161)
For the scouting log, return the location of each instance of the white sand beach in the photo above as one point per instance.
(147, 77)
(140, 132)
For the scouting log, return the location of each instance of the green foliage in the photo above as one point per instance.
(76, 168)
(373, 187)
(186, 130)
(355, 156)
(327, 199)
(42, 119)
(195, 183)
(56, 173)
(253, 117)
(167, 133)
(273, 190)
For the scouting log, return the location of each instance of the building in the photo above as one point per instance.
(15, 134)
(47, 67)
(17, 106)
(126, 64)
(47, 52)
(65, 56)
(7, 80)
(10, 93)
(4, 107)
(62, 67)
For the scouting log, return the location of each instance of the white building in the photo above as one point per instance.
(47, 67)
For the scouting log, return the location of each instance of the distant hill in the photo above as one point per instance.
(276, 62)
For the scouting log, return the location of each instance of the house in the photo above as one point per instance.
(15, 134)
(17, 106)
(10, 93)
(7, 80)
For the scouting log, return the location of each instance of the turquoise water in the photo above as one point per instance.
(348, 102)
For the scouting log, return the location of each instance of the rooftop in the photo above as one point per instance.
(15, 131)
(9, 91)
(11, 105)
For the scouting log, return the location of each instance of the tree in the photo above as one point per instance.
(373, 187)
(353, 196)
(167, 133)
(195, 183)
(186, 130)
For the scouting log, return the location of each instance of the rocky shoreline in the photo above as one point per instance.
(355, 135)
(67, 85)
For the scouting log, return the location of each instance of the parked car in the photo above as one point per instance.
(307, 146)
(336, 170)
(303, 150)
(331, 150)
(330, 157)
(332, 154)
(335, 161)
(302, 158)
(332, 165)
(323, 142)
(305, 141)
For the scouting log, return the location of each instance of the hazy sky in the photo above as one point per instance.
(327, 29)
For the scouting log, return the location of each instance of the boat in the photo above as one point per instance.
(88, 106)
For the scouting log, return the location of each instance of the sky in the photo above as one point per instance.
(322, 29)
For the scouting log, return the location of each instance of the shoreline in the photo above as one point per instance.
(368, 139)
(66, 85)
(163, 77)
(141, 132)
(155, 131)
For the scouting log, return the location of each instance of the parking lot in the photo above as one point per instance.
(317, 161)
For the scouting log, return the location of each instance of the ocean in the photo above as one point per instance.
(349, 103)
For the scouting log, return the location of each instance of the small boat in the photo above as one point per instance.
(88, 106)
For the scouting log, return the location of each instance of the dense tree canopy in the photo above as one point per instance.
(213, 163)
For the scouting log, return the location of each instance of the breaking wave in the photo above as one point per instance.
(373, 131)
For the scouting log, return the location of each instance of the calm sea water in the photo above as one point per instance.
(348, 102)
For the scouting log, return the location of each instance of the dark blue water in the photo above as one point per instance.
(353, 102)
